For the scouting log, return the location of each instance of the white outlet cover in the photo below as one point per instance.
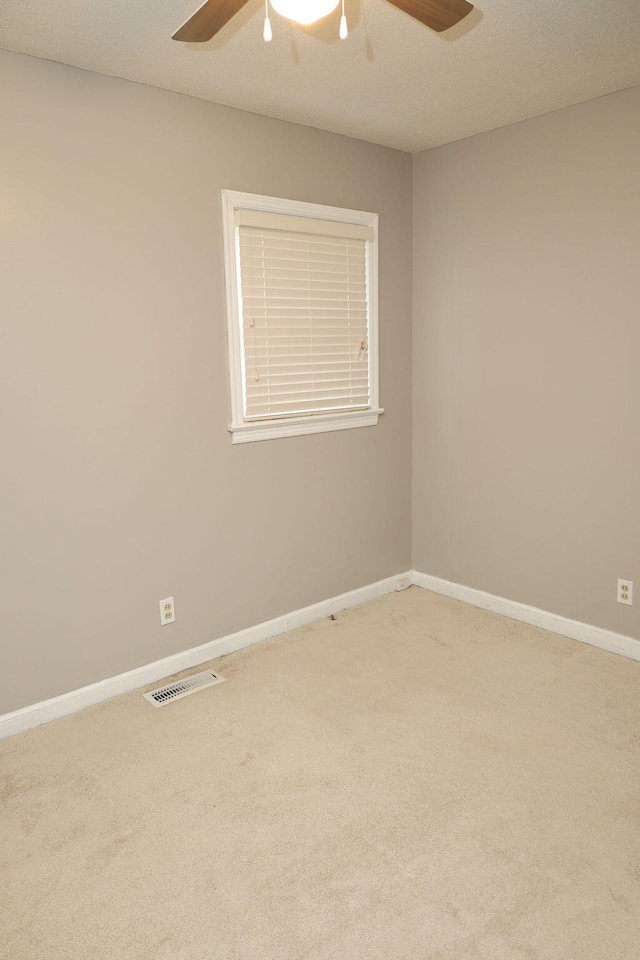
(625, 591)
(167, 606)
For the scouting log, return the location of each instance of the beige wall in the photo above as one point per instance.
(526, 361)
(119, 481)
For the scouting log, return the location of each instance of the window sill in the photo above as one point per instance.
(300, 426)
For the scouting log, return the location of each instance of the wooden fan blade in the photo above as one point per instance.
(437, 14)
(206, 21)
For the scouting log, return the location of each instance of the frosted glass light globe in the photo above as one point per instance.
(304, 11)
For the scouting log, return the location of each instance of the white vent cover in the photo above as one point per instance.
(182, 688)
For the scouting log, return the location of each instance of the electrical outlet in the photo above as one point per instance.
(167, 610)
(402, 583)
(625, 591)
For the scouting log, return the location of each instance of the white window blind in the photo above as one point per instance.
(303, 315)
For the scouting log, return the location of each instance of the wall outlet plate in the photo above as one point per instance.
(625, 591)
(167, 610)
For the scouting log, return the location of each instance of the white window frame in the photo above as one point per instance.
(244, 431)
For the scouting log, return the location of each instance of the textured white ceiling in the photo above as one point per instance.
(392, 81)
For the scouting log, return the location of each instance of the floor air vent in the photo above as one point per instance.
(182, 688)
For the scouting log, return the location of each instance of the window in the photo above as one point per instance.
(302, 313)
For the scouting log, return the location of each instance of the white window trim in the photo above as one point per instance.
(244, 431)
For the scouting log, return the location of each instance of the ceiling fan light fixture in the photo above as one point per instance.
(304, 11)
(213, 15)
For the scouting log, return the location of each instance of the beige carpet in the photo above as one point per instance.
(416, 779)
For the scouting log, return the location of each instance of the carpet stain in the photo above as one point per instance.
(16, 785)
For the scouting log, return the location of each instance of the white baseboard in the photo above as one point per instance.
(574, 629)
(37, 713)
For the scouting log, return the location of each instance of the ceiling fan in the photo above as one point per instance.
(214, 14)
